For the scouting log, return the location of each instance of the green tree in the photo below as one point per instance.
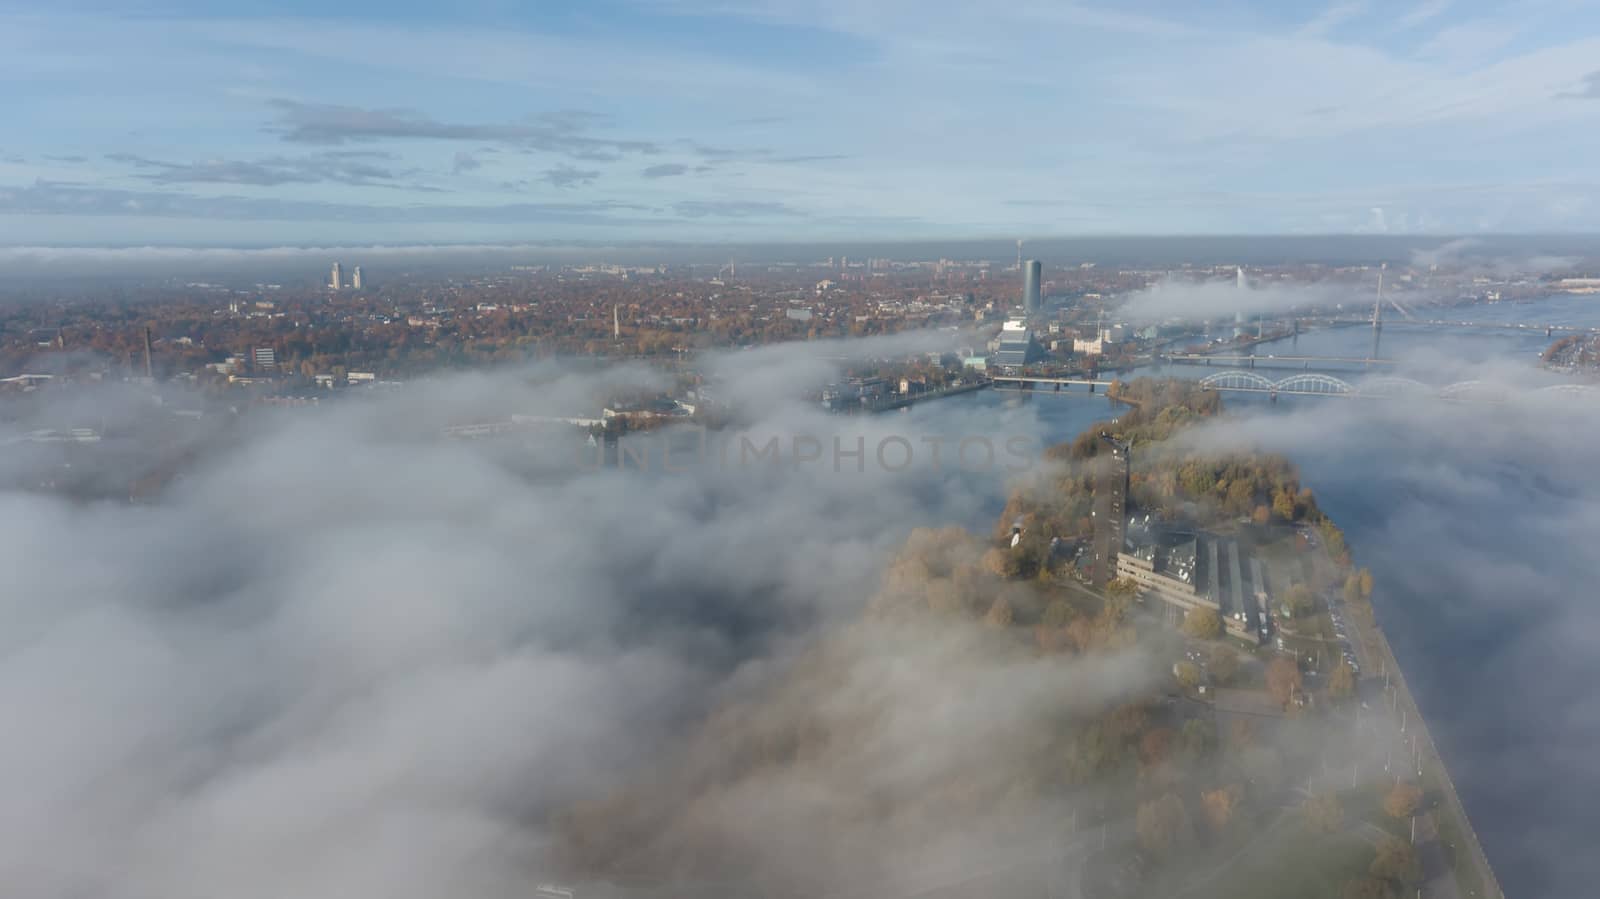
(1397, 862)
(1202, 623)
(1342, 681)
(1402, 800)
(1198, 737)
(1323, 812)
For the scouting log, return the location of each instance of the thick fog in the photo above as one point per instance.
(1478, 520)
(1191, 301)
(341, 657)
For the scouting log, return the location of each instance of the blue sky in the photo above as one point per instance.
(685, 120)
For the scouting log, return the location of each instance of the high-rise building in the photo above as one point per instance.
(336, 280)
(355, 278)
(265, 357)
(1031, 272)
(1110, 507)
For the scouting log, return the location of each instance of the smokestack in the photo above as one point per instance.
(149, 372)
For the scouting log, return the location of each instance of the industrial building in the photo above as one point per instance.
(1190, 571)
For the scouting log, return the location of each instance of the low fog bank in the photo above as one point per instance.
(1479, 523)
(1202, 301)
(339, 656)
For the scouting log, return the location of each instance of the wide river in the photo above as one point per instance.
(1485, 545)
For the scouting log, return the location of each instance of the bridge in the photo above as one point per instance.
(1028, 380)
(1272, 361)
(1386, 387)
(1549, 330)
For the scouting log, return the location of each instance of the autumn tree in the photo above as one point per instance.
(1402, 800)
(1367, 888)
(1122, 588)
(1396, 862)
(999, 615)
(1342, 681)
(1323, 812)
(1283, 505)
(1162, 824)
(1220, 805)
(1002, 563)
(1202, 623)
(1224, 664)
(1155, 746)
(1241, 734)
(1352, 589)
(1051, 632)
(1188, 674)
(1283, 679)
(1299, 600)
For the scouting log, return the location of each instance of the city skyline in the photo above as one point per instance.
(795, 120)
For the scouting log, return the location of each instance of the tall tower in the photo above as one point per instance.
(355, 278)
(1377, 314)
(1238, 277)
(616, 323)
(1019, 255)
(149, 370)
(336, 280)
(1031, 273)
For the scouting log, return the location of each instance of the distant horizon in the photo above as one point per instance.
(1526, 252)
(811, 241)
(722, 120)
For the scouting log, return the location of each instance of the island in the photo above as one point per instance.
(1159, 676)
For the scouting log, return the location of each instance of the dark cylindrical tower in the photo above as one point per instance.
(1030, 286)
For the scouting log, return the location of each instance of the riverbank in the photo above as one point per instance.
(901, 402)
(1451, 828)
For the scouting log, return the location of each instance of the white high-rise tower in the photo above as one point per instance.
(355, 278)
(1238, 275)
(336, 280)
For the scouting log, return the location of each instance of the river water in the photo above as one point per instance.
(1480, 525)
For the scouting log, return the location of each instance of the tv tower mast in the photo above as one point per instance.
(1377, 313)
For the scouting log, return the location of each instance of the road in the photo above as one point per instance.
(1414, 753)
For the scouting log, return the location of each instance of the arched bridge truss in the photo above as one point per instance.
(1309, 384)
